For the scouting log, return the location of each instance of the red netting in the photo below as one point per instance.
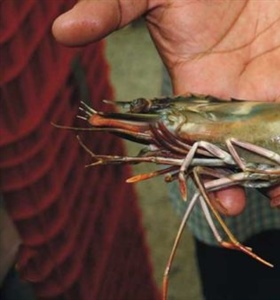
(81, 228)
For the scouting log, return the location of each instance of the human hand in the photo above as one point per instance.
(229, 49)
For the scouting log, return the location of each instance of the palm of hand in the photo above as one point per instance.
(225, 48)
(228, 48)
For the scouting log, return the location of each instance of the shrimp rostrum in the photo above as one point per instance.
(231, 143)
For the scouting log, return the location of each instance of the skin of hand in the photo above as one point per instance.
(229, 49)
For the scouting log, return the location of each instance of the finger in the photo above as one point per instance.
(91, 20)
(230, 201)
(274, 195)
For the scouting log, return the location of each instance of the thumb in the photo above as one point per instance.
(230, 201)
(274, 194)
(91, 20)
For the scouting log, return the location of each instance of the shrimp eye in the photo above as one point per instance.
(140, 105)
